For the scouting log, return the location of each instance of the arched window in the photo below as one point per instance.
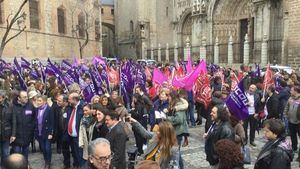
(97, 30)
(61, 20)
(34, 14)
(81, 24)
(131, 26)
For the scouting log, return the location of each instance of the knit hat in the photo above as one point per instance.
(32, 94)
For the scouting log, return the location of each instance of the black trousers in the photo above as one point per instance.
(294, 129)
(253, 124)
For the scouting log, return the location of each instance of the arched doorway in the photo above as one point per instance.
(186, 32)
(232, 17)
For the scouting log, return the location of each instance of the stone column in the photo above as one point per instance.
(176, 52)
(159, 53)
(230, 51)
(167, 53)
(246, 50)
(216, 51)
(187, 49)
(203, 49)
(264, 51)
(143, 50)
(152, 52)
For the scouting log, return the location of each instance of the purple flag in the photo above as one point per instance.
(88, 90)
(16, 71)
(158, 77)
(25, 64)
(189, 67)
(257, 71)
(97, 60)
(237, 102)
(97, 81)
(140, 77)
(35, 74)
(65, 65)
(188, 81)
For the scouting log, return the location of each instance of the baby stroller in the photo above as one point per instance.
(132, 153)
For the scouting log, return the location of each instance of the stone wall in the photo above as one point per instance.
(46, 41)
(292, 14)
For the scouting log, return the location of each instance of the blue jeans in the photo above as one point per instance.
(179, 142)
(4, 145)
(45, 145)
(21, 150)
(190, 114)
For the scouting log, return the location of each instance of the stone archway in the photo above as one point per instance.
(186, 30)
(231, 17)
(108, 37)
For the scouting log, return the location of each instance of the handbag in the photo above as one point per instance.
(246, 154)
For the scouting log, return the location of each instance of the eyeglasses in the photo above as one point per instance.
(103, 159)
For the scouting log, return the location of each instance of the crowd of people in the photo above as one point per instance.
(94, 132)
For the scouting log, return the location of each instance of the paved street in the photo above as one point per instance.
(193, 154)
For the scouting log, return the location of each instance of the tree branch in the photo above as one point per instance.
(17, 34)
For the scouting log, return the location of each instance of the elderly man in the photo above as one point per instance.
(16, 161)
(99, 154)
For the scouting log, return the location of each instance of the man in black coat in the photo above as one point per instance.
(272, 103)
(220, 129)
(117, 138)
(6, 125)
(25, 114)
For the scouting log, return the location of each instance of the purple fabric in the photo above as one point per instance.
(40, 118)
(188, 81)
(25, 64)
(257, 71)
(189, 67)
(96, 81)
(237, 102)
(88, 90)
(65, 65)
(97, 60)
(35, 74)
(158, 76)
(16, 70)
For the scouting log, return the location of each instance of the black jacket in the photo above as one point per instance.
(275, 155)
(223, 130)
(272, 107)
(7, 122)
(48, 123)
(117, 138)
(25, 123)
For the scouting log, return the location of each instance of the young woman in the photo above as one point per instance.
(162, 147)
(106, 102)
(277, 152)
(177, 116)
(91, 127)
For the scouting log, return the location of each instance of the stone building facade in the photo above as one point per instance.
(51, 26)
(223, 31)
(108, 28)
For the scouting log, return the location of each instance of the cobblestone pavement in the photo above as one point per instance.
(193, 155)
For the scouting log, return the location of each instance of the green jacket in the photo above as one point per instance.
(178, 119)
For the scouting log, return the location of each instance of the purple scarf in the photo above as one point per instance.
(40, 117)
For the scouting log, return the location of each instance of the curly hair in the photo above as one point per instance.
(229, 153)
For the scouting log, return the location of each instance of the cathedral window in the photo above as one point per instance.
(167, 11)
(81, 24)
(61, 20)
(97, 30)
(34, 14)
(112, 11)
(131, 26)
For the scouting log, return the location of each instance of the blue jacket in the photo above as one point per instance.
(79, 114)
(47, 123)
